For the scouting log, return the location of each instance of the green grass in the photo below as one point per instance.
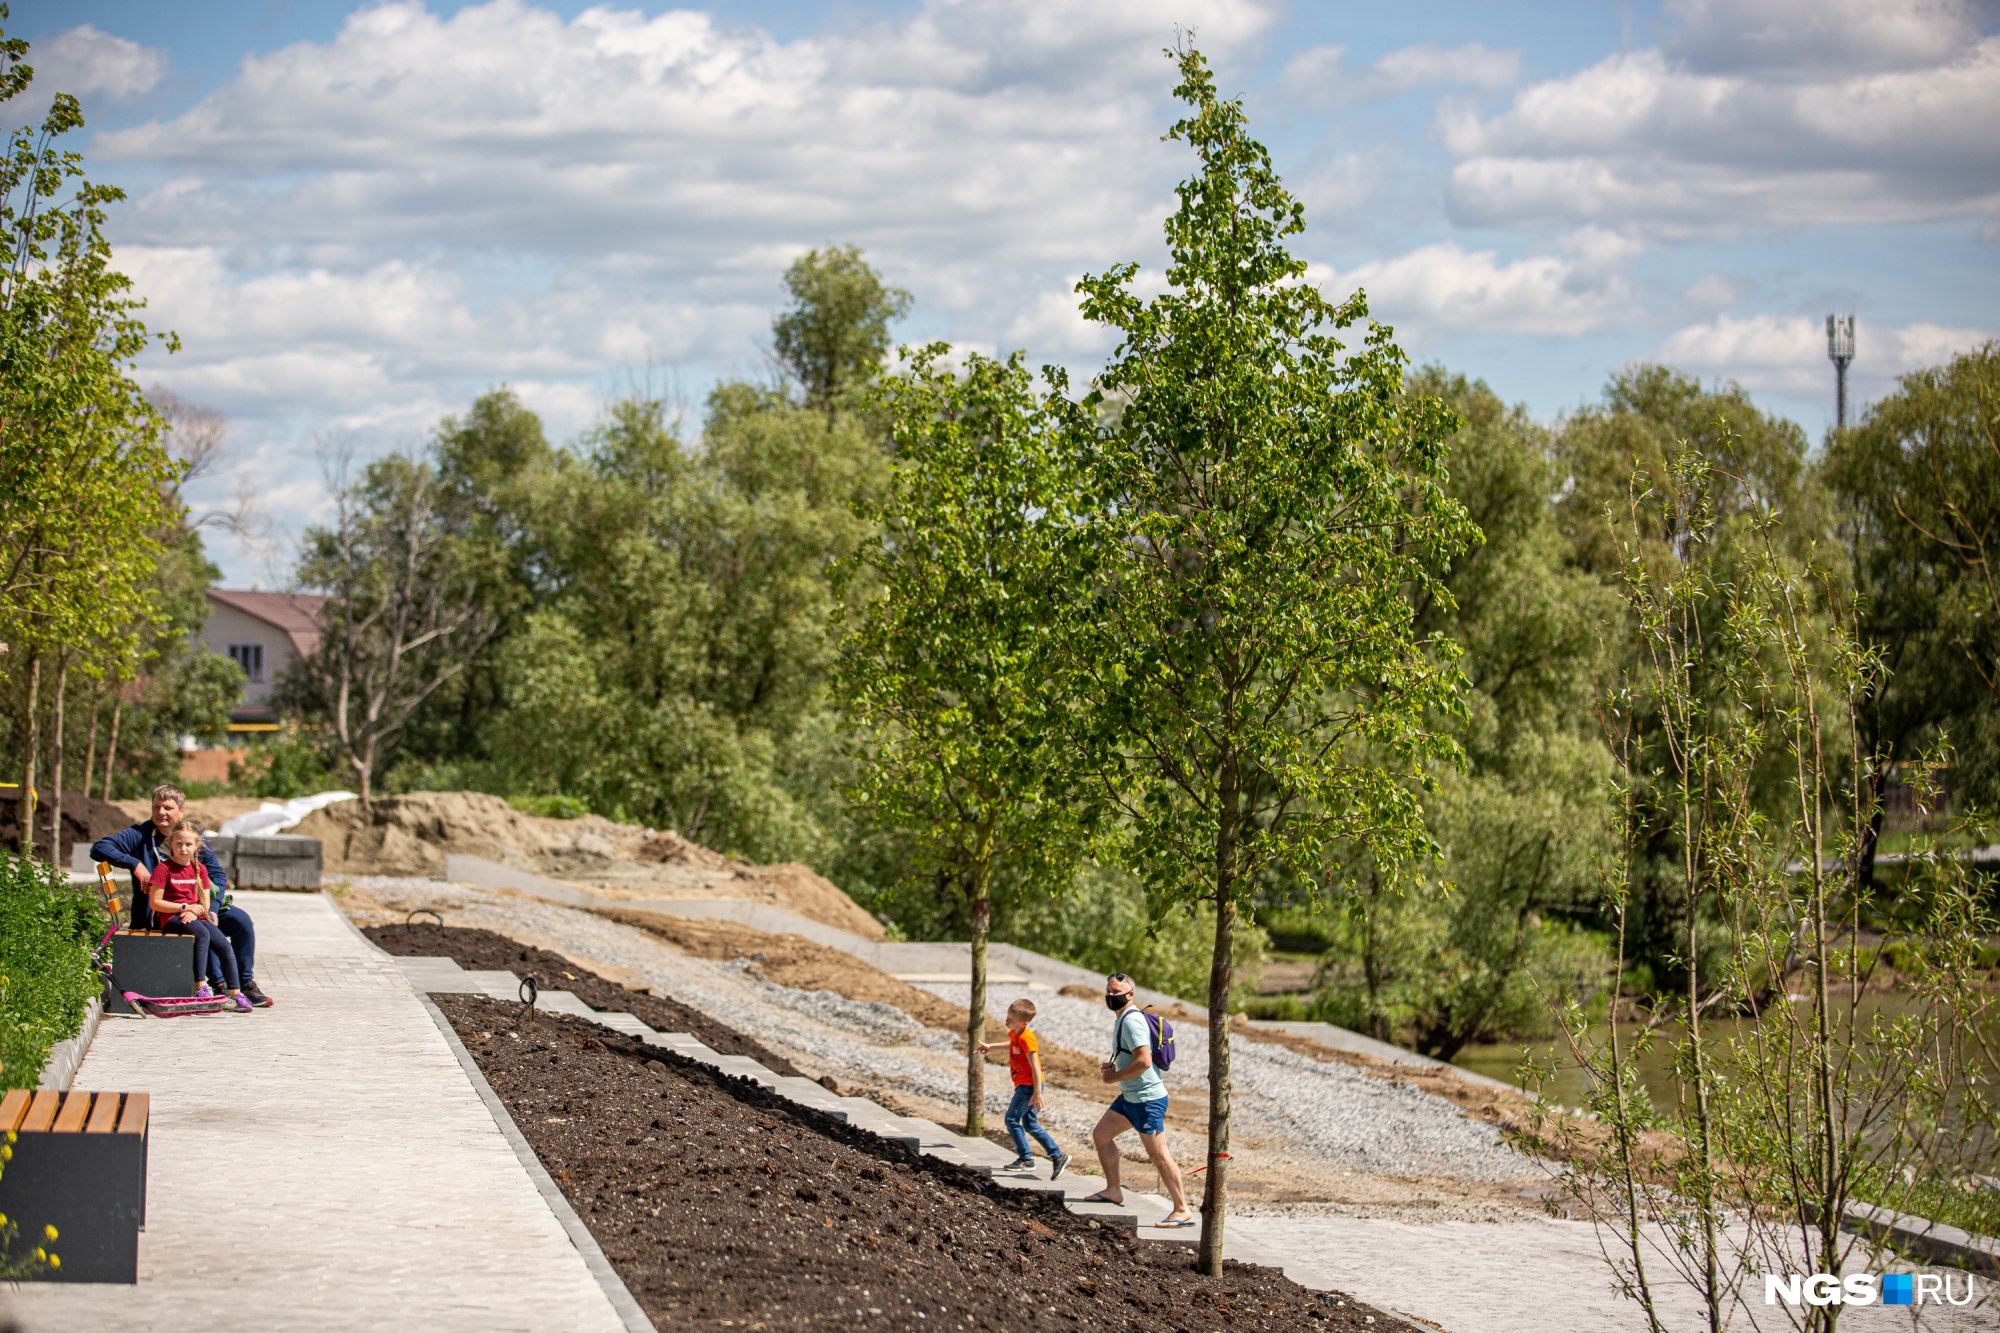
(1972, 1208)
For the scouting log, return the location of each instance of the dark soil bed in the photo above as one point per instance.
(482, 950)
(722, 1205)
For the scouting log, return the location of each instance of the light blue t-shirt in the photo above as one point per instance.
(1129, 1035)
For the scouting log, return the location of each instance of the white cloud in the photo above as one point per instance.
(87, 60)
(1878, 112)
(1787, 353)
(1316, 74)
(1795, 36)
(1441, 289)
(362, 232)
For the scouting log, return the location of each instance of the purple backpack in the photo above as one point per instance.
(1161, 1032)
(1159, 1036)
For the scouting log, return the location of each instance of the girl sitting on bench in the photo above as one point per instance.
(180, 896)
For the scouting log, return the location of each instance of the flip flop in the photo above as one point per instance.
(1174, 1223)
(1099, 1198)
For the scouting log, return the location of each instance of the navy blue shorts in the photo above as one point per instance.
(1146, 1117)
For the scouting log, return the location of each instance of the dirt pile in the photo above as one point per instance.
(410, 835)
(719, 1205)
(84, 820)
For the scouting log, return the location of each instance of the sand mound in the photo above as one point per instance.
(410, 835)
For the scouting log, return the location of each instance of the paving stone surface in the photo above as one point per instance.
(323, 1164)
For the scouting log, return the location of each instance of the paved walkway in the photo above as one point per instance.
(324, 1164)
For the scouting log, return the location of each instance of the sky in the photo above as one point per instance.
(359, 217)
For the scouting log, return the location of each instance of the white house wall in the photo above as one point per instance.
(227, 625)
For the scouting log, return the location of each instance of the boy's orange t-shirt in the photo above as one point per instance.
(1021, 1045)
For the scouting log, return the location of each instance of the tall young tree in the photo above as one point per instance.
(1259, 514)
(952, 667)
(82, 471)
(833, 339)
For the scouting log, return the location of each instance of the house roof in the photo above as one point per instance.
(296, 613)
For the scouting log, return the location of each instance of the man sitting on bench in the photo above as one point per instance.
(141, 847)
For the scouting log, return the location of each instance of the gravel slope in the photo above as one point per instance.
(1345, 1119)
(1353, 1120)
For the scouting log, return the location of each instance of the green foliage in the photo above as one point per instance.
(1262, 504)
(1479, 942)
(47, 930)
(1260, 514)
(289, 766)
(550, 807)
(1659, 455)
(1918, 486)
(85, 485)
(407, 608)
(1105, 923)
(680, 647)
(954, 668)
(834, 337)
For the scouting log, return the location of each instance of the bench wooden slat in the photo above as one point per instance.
(41, 1111)
(103, 1115)
(70, 1119)
(133, 1119)
(12, 1107)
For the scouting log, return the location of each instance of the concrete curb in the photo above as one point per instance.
(579, 1235)
(66, 1057)
(1932, 1241)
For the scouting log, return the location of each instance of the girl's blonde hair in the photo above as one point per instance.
(181, 826)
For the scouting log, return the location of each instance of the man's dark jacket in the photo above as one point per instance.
(140, 849)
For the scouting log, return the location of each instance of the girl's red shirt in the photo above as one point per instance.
(183, 884)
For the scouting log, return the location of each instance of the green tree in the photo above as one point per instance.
(951, 669)
(834, 337)
(83, 476)
(1918, 483)
(404, 614)
(1497, 925)
(1259, 511)
(1759, 491)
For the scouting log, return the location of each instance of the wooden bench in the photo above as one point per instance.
(79, 1165)
(145, 962)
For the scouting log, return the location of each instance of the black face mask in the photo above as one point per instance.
(1116, 1002)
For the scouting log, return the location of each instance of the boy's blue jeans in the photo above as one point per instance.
(1022, 1121)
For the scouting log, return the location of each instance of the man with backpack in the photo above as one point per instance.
(1141, 1046)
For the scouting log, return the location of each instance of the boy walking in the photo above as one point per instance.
(1024, 1060)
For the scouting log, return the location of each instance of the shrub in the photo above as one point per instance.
(550, 807)
(47, 930)
(1276, 1008)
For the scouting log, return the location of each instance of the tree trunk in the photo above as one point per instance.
(111, 748)
(33, 733)
(56, 766)
(1221, 965)
(90, 745)
(364, 769)
(975, 1022)
(1214, 1190)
